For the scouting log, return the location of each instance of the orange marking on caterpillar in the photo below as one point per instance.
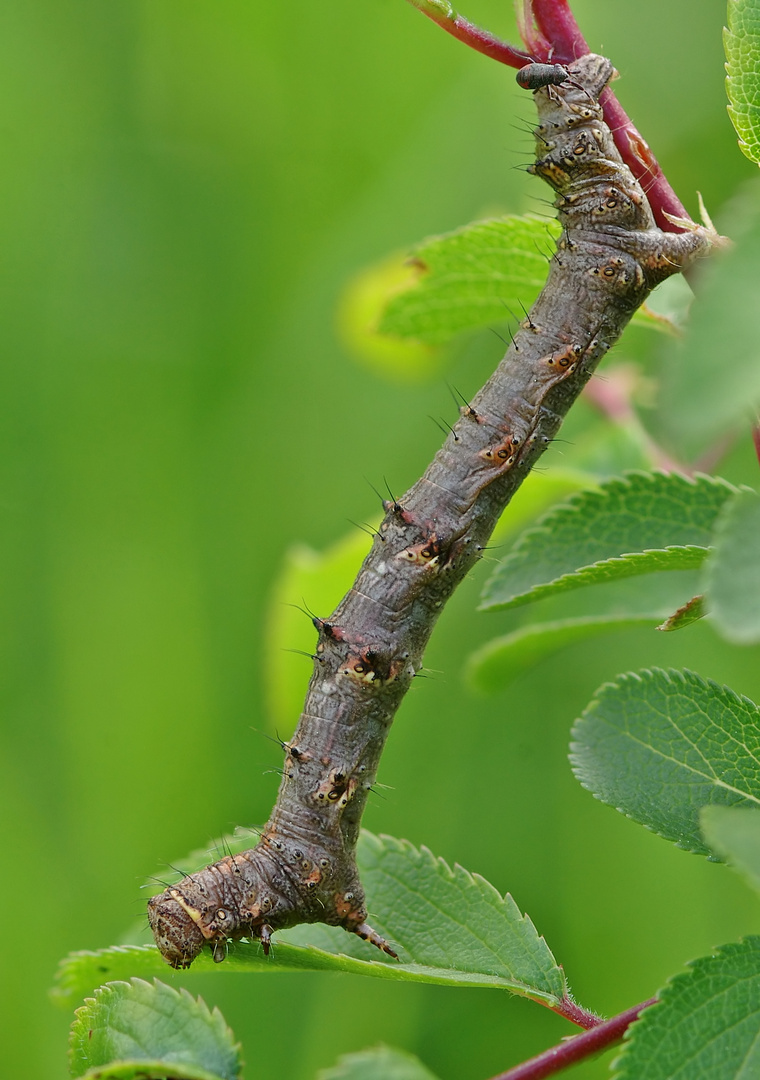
(504, 455)
(565, 361)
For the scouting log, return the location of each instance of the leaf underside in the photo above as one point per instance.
(449, 926)
(706, 1025)
(638, 524)
(660, 745)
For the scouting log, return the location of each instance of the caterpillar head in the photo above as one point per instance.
(176, 927)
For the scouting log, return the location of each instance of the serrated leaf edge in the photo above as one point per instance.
(674, 674)
(664, 995)
(581, 500)
(128, 988)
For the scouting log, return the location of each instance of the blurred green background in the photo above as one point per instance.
(186, 189)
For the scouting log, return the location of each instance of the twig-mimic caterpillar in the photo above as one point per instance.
(369, 650)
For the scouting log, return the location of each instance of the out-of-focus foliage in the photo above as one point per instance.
(733, 573)
(361, 307)
(733, 832)
(711, 378)
(380, 1063)
(186, 190)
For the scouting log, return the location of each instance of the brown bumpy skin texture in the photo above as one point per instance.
(609, 257)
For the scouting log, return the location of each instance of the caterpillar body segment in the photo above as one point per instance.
(609, 257)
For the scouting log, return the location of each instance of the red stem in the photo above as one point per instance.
(557, 24)
(635, 152)
(601, 1037)
(443, 15)
(756, 438)
(551, 32)
(576, 1014)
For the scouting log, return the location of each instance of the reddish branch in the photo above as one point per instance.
(443, 14)
(551, 33)
(602, 1036)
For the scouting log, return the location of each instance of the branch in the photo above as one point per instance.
(609, 257)
(577, 1048)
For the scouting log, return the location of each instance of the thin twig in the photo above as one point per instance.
(577, 1048)
(483, 41)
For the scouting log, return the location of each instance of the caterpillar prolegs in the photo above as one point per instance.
(608, 259)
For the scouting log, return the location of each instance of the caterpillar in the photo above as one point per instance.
(609, 257)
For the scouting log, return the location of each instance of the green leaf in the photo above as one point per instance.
(360, 308)
(660, 745)
(706, 1025)
(734, 834)
(741, 41)
(500, 661)
(639, 524)
(380, 1063)
(477, 276)
(451, 927)
(710, 385)
(149, 1028)
(471, 277)
(732, 573)
(536, 494)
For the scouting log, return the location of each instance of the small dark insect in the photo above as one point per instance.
(534, 76)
